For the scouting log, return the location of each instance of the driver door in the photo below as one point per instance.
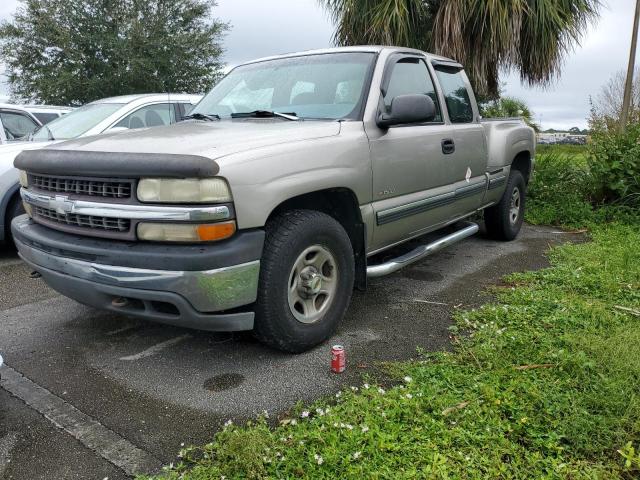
(411, 175)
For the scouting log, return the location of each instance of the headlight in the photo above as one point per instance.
(188, 190)
(24, 180)
(185, 232)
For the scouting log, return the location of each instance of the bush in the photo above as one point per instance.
(563, 191)
(614, 162)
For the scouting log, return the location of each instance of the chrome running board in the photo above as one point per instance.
(468, 229)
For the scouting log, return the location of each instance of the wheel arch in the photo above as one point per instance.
(341, 204)
(11, 195)
(522, 162)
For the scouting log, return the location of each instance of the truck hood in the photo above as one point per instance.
(207, 139)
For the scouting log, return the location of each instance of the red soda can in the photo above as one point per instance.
(338, 360)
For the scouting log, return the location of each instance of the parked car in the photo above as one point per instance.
(266, 209)
(47, 113)
(16, 122)
(107, 115)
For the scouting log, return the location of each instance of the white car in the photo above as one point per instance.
(16, 122)
(102, 116)
(47, 113)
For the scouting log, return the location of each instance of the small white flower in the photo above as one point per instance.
(182, 444)
(223, 477)
(384, 414)
(365, 429)
(301, 442)
(265, 414)
(228, 423)
(407, 379)
(355, 389)
(349, 427)
(357, 455)
(365, 386)
(339, 394)
(294, 421)
(319, 459)
(335, 424)
(304, 414)
(409, 396)
(320, 412)
(381, 391)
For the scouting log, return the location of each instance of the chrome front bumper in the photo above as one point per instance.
(194, 296)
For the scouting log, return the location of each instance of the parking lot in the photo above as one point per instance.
(150, 388)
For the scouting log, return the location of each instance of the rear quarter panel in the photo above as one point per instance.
(505, 140)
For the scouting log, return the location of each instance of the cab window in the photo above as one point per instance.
(411, 76)
(456, 95)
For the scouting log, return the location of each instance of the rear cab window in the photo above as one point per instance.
(456, 94)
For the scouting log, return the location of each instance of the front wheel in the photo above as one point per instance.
(504, 220)
(306, 280)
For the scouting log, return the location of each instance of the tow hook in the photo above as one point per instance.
(119, 302)
(35, 274)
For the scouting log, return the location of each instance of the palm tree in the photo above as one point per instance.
(487, 36)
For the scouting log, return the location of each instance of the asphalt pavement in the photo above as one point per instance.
(83, 388)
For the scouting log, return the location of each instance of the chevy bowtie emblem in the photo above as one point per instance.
(61, 204)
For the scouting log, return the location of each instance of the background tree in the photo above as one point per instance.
(506, 107)
(606, 105)
(75, 51)
(531, 37)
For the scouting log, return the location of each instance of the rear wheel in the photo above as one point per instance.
(504, 220)
(306, 280)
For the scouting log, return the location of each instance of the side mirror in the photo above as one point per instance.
(405, 109)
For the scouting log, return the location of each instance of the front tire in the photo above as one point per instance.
(306, 280)
(504, 220)
(15, 209)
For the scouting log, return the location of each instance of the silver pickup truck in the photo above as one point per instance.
(265, 209)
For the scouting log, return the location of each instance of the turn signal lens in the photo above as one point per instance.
(216, 231)
(28, 209)
(184, 232)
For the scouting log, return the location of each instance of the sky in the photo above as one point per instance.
(261, 28)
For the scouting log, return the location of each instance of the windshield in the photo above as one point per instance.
(329, 86)
(75, 123)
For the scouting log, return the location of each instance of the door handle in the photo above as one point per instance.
(448, 146)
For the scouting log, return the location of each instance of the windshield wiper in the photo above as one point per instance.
(266, 114)
(212, 117)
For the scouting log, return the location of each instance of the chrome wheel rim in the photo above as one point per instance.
(514, 209)
(312, 284)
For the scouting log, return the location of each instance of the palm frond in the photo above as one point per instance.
(487, 36)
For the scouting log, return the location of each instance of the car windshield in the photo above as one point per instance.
(322, 86)
(75, 123)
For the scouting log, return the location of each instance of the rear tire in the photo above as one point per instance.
(306, 280)
(504, 220)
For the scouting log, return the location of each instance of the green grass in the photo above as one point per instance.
(542, 383)
(574, 150)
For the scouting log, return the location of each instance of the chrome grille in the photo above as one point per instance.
(85, 221)
(82, 186)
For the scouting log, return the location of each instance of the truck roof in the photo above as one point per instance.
(355, 48)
